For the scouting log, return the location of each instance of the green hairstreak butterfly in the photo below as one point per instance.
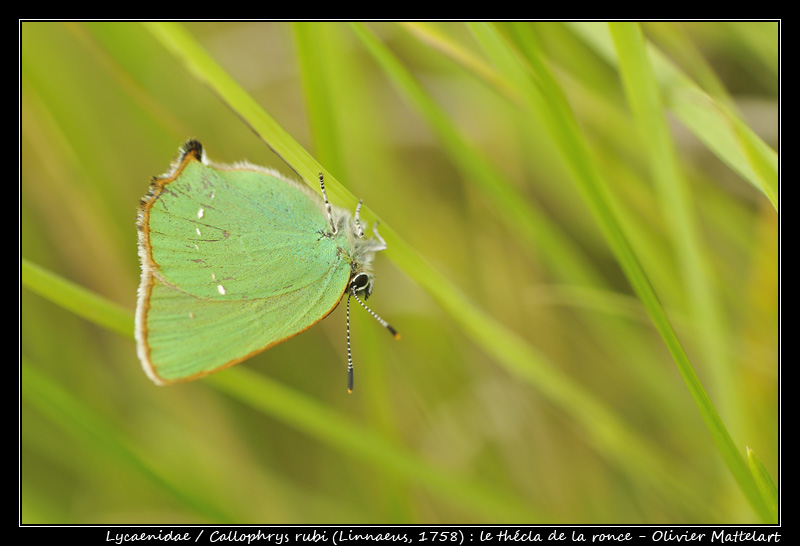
(236, 259)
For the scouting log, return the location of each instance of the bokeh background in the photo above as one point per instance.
(530, 384)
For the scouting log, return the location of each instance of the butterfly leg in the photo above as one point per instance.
(380, 244)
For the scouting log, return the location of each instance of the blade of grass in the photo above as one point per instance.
(716, 125)
(319, 421)
(765, 483)
(643, 94)
(83, 422)
(426, 33)
(605, 116)
(547, 99)
(77, 299)
(609, 120)
(319, 96)
(762, 41)
(522, 216)
(644, 97)
(602, 428)
(679, 46)
(181, 44)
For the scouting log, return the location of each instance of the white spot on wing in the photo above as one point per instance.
(200, 213)
(221, 289)
(197, 229)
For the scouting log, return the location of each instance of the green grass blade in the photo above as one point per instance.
(611, 124)
(522, 216)
(320, 100)
(548, 101)
(88, 427)
(460, 55)
(711, 120)
(643, 93)
(766, 485)
(77, 299)
(181, 44)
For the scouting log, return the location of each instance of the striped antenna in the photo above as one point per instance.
(327, 204)
(382, 322)
(357, 220)
(349, 355)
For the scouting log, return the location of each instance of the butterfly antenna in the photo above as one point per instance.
(349, 355)
(383, 323)
(357, 220)
(327, 204)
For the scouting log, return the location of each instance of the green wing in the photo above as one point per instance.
(233, 262)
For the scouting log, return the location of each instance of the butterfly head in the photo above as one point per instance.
(361, 283)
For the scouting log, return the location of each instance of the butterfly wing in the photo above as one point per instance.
(233, 262)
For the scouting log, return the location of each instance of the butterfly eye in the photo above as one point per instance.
(360, 281)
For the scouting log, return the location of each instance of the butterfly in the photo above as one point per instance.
(238, 258)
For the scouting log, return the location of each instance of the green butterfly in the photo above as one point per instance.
(236, 259)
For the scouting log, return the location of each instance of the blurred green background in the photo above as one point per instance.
(530, 384)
